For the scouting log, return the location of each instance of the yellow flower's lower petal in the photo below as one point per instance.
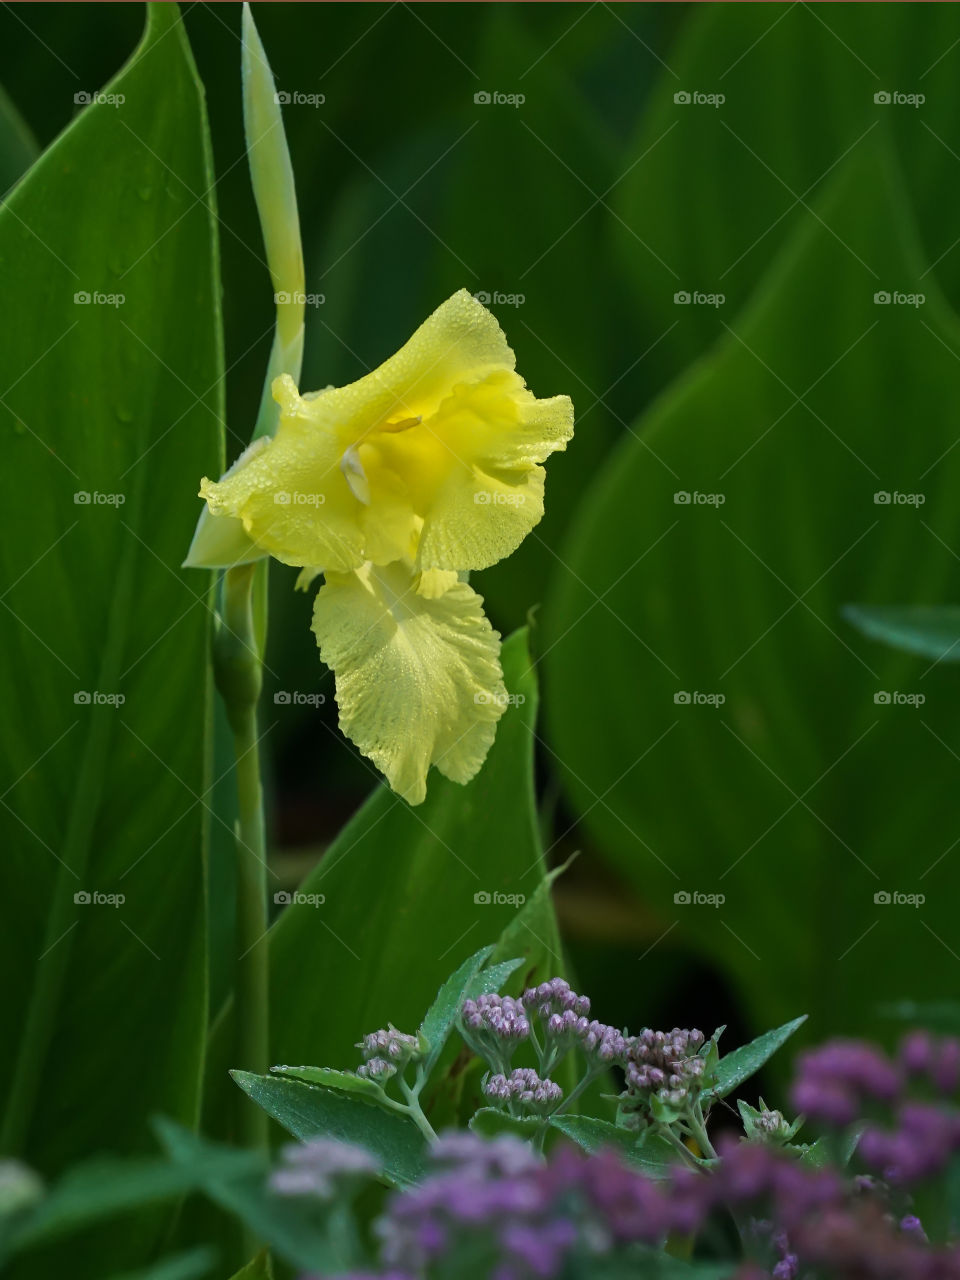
(418, 676)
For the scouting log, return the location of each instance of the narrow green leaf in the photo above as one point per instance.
(261, 1268)
(183, 1266)
(307, 1111)
(330, 1078)
(18, 147)
(744, 1062)
(653, 1155)
(932, 631)
(107, 1188)
(442, 1014)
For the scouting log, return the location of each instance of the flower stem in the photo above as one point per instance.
(415, 1112)
(237, 667)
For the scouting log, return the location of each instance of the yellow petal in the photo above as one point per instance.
(433, 458)
(418, 677)
(291, 495)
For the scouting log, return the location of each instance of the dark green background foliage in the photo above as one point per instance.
(797, 399)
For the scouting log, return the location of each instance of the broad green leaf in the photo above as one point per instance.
(742, 1063)
(291, 1228)
(796, 796)
(112, 412)
(653, 1156)
(711, 194)
(306, 1111)
(426, 884)
(931, 631)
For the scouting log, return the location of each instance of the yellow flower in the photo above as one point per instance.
(393, 488)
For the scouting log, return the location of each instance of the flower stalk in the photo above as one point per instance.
(238, 675)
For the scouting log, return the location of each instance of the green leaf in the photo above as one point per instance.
(491, 1121)
(736, 184)
(183, 1266)
(122, 401)
(329, 1078)
(442, 1015)
(940, 1015)
(412, 882)
(18, 147)
(832, 1151)
(260, 1268)
(110, 1187)
(795, 797)
(290, 1226)
(742, 1063)
(306, 1111)
(650, 1154)
(927, 630)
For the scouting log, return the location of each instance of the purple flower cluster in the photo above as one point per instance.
(318, 1168)
(493, 1208)
(563, 1017)
(835, 1080)
(494, 1025)
(837, 1083)
(525, 1087)
(555, 998)
(387, 1052)
(666, 1064)
(936, 1060)
(925, 1138)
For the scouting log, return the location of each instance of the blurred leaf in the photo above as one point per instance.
(18, 146)
(418, 883)
(286, 1224)
(184, 1266)
(306, 1111)
(941, 1015)
(652, 1155)
(714, 193)
(106, 1188)
(720, 731)
(111, 414)
(928, 630)
(742, 1063)
(259, 1269)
